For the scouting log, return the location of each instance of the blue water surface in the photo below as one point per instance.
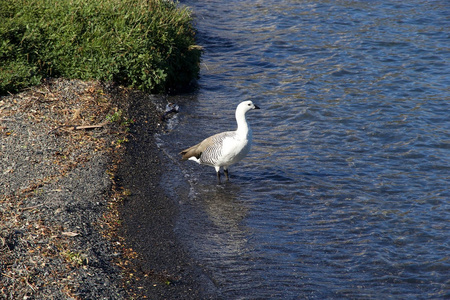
(345, 193)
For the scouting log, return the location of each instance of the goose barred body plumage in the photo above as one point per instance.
(212, 154)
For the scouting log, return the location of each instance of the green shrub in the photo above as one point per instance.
(146, 44)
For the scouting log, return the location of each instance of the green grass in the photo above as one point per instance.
(75, 258)
(145, 44)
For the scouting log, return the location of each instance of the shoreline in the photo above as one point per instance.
(67, 196)
(163, 267)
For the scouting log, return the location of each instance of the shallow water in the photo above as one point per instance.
(345, 193)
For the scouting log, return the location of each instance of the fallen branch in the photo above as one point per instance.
(91, 126)
(79, 127)
(31, 207)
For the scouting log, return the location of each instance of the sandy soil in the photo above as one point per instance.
(66, 170)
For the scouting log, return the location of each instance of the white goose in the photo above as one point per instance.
(226, 148)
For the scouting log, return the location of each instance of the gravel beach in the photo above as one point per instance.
(71, 156)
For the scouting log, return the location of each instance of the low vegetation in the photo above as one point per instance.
(144, 44)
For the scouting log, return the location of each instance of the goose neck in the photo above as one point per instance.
(242, 126)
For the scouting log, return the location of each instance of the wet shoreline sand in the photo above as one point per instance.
(164, 268)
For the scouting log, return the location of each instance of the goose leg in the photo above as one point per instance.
(218, 173)
(225, 170)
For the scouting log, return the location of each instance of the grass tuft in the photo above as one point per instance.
(144, 44)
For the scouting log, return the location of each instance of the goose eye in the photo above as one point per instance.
(249, 104)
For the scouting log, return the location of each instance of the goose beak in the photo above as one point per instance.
(256, 106)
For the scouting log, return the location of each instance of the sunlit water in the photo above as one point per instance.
(345, 193)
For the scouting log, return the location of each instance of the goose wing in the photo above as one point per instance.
(209, 150)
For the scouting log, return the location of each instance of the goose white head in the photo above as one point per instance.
(245, 106)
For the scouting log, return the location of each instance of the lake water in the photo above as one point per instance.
(346, 191)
